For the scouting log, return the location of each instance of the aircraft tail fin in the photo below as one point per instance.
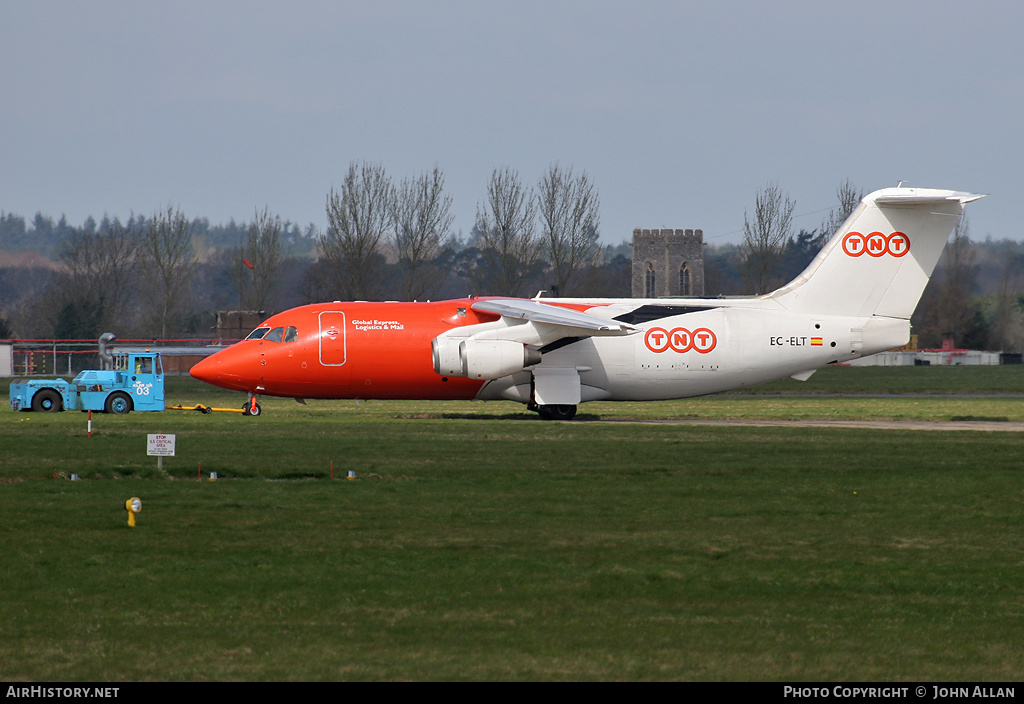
(881, 258)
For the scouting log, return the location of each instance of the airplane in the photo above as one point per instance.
(854, 299)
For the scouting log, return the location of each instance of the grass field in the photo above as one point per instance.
(478, 542)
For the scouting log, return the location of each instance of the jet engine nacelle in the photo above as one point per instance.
(447, 361)
(481, 359)
(493, 359)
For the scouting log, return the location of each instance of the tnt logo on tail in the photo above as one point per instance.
(896, 244)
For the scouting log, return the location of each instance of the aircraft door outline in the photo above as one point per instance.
(332, 329)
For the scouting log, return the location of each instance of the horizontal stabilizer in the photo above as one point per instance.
(922, 196)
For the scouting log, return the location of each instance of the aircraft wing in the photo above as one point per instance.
(500, 348)
(571, 321)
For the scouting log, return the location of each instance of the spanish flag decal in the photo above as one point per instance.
(816, 342)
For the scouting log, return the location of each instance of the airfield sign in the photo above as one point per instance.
(160, 445)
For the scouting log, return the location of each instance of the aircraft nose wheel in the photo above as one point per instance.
(554, 412)
(251, 409)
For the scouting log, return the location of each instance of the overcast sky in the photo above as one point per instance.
(678, 111)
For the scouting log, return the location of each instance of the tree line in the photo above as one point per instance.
(166, 275)
(45, 236)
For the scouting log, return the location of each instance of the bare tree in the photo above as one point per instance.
(764, 238)
(849, 198)
(168, 260)
(1008, 323)
(569, 218)
(100, 269)
(260, 262)
(507, 230)
(357, 220)
(957, 311)
(421, 218)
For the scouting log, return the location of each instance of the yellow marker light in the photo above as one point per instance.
(133, 506)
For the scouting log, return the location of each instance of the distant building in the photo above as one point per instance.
(6, 359)
(668, 263)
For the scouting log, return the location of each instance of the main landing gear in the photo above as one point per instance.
(554, 412)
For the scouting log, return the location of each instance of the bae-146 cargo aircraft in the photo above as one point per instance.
(552, 354)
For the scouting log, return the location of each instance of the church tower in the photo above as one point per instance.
(668, 263)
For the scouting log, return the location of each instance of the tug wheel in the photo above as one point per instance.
(118, 403)
(47, 401)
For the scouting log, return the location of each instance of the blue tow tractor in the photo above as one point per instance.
(135, 383)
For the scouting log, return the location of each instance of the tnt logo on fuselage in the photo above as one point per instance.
(876, 244)
(701, 340)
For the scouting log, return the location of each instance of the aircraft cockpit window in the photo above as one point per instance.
(257, 334)
(291, 334)
(274, 335)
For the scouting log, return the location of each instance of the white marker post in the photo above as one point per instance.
(161, 446)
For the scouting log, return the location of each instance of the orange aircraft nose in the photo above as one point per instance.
(226, 369)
